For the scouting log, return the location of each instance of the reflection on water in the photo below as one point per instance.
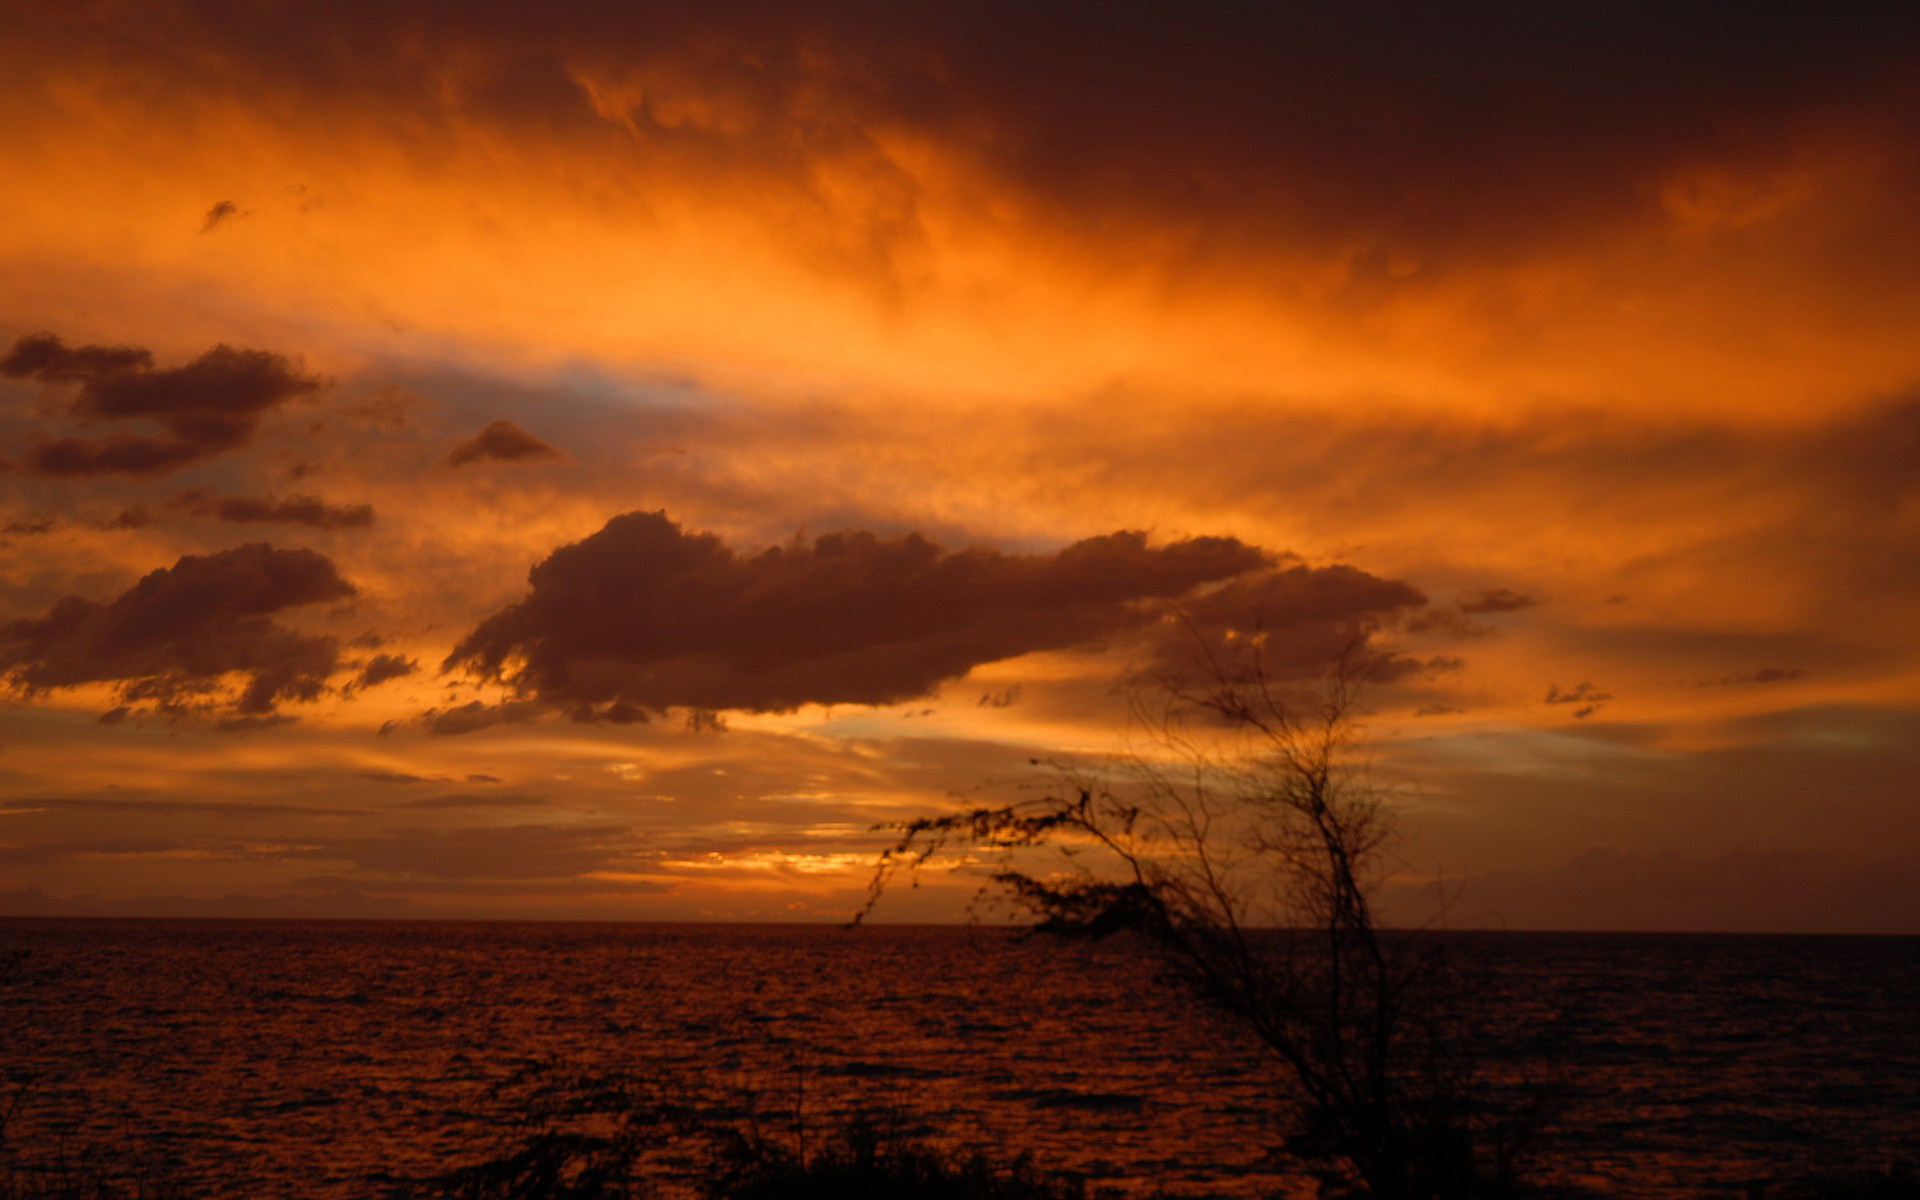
(305, 1059)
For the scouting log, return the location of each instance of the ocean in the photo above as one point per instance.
(332, 1060)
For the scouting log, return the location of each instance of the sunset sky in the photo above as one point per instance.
(597, 460)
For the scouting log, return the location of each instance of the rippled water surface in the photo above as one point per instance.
(317, 1059)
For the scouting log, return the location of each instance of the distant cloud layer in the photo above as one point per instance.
(207, 407)
(172, 638)
(644, 616)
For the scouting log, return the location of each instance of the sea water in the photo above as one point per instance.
(332, 1059)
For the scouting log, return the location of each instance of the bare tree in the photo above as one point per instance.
(1244, 844)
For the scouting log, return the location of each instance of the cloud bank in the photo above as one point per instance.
(644, 616)
(173, 638)
(207, 407)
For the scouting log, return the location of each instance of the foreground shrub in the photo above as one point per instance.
(875, 1160)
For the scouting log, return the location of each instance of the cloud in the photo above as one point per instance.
(1582, 693)
(207, 407)
(398, 777)
(173, 637)
(382, 667)
(496, 852)
(474, 716)
(644, 616)
(219, 213)
(50, 852)
(500, 441)
(476, 800)
(1497, 600)
(132, 807)
(1289, 623)
(310, 511)
(1763, 675)
(1774, 890)
(1587, 696)
(1317, 120)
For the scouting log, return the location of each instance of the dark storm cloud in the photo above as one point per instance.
(1444, 126)
(500, 441)
(643, 615)
(171, 638)
(207, 407)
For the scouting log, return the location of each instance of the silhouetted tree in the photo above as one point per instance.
(1244, 845)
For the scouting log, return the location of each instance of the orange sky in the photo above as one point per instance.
(1565, 351)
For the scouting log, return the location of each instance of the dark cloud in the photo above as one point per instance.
(310, 511)
(477, 800)
(1582, 693)
(172, 638)
(1764, 675)
(382, 667)
(396, 777)
(474, 716)
(1287, 624)
(217, 214)
(207, 407)
(500, 441)
(643, 616)
(1497, 600)
(1448, 126)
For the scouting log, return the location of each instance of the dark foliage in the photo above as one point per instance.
(1243, 848)
(874, 1159)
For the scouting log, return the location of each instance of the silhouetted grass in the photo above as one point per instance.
(598, 1139)
(873, 1159)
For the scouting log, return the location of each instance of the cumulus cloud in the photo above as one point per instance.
(211, 405)
(500, 441)
(644, 616)
(174, 638)
(1289, 623)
